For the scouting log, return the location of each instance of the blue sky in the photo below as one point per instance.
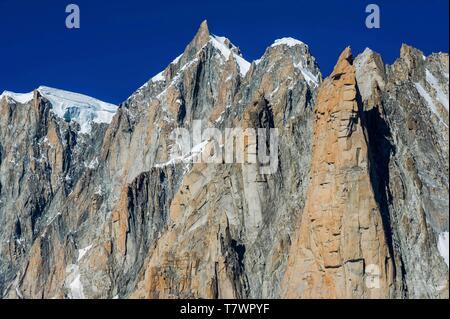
(121, 44)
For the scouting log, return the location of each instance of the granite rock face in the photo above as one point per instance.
(340, 233)
(355, 207)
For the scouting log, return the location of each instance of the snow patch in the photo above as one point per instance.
(186, 158)
(434, 83)
(290, 42)
(219, 43)
(275, 91)
(429, 101)
(93, 164)
(22, 98)
(99, 190)
(159, 77)
(244, 66)
(309, 77)
(175, 61)
(176, 78)
(221, 39)
(75, 286)
(443, 246)
(77, 107)
(82, 252)
(307, 74)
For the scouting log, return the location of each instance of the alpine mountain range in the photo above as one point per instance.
(92, 207)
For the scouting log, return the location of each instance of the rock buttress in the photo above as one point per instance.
(339, 249)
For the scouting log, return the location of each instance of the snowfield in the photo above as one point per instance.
(70, 106)
(22, 98)
(290, 42)
(77, 107)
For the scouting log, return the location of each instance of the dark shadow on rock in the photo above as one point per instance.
(380, 149)
(240, 252)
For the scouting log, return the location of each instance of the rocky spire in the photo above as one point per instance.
(203, 31)
(344, 62)
(370, 73)
(201, 38)
(341, 231)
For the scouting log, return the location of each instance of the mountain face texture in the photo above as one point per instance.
(94, 204)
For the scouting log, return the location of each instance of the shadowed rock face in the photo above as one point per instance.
(359, 197)
(406, 111)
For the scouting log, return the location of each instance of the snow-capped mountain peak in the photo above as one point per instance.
(78, 107)
(70, 106)
(290, 42)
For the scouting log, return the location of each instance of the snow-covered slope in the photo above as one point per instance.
(71, 106)
(227, 48)
(78, 107)
(18, 97)
(287, 41)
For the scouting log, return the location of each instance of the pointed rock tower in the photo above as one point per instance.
(201, 38)
(340, 249)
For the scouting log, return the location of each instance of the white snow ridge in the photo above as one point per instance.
(220, 44)
(290, 42)
(440, 95)
(77, 107)
(18, 97)
(70, 106)
(82, 252)
(429, 101)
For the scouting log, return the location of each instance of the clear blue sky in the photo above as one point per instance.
(121, 44)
